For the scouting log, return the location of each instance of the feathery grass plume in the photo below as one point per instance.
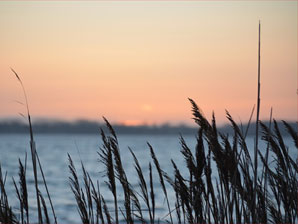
(242, 142)
(281, 143)
(143, 186)
(291, 132)
(199, 117)
(120, 173)
(111, 129)
(33, 149)
(183, 191)
(190, 163)
(78, 192)
(285, 151)
(196, 188)
(231, 163)
(282, 181)
(161, 173)
(210, 133)
(281, 163)
(106, 157)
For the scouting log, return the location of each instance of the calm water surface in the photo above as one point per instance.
(53, 149)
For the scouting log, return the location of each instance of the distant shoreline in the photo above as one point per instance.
(89, 127)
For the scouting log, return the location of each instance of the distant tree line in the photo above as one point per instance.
(90, 127)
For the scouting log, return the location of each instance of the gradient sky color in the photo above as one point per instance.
(138, 62)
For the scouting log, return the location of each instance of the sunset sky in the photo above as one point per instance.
(138, 62)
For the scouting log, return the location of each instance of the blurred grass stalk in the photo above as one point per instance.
(35, 157)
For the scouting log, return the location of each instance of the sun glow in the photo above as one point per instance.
(132, 123)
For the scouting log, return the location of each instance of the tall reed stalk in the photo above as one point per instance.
(33, 149)
(35, 158)
(257, 119)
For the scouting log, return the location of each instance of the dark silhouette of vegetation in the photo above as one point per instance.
(205, 195)
(90, 127)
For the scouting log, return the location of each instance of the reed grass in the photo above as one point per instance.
(32, 147)
(223, 193)
(22, 194)
(208, 195)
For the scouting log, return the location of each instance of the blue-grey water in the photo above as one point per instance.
(53, 149)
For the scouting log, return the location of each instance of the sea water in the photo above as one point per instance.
(53, 150)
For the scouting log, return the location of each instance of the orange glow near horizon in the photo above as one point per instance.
(132, 123)
(139, 62)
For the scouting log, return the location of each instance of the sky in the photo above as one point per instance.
(139, 62)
